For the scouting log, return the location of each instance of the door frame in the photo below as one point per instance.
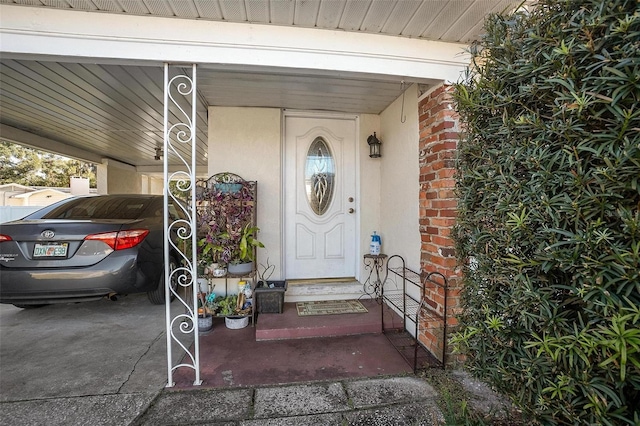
(283, 159)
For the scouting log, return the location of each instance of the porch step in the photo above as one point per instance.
(288, 325)
(312, 290)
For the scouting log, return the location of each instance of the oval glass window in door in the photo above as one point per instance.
(319, 175)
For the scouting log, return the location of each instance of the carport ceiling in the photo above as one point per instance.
(445, 20)
(115, 111)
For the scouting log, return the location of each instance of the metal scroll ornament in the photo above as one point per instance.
(180, 227)
(319, 176)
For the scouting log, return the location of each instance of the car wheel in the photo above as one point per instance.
(157, 296)
(29, 306)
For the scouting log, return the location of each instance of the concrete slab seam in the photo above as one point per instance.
(143, 412)
(252, 406)
(133, 369)
(71, 397)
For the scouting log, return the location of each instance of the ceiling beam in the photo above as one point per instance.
(158, 170)
(65, 34)
(32, 140)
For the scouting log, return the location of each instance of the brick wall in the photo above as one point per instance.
(439, 128)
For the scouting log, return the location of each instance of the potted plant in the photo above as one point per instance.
(265, 270)
(226, 221)
(268, 295)
(209, 250)
(243, 254)
(235, 310)
(206, 310)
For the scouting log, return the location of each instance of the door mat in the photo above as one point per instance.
(330, 307)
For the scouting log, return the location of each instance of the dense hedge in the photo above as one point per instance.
(549, 220)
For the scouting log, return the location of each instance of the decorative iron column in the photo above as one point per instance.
(180, 232)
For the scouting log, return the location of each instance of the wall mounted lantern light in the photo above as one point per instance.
(374, 146)
(158, 156)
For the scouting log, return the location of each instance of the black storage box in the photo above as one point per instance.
(268, 299)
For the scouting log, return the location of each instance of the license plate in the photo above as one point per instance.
(50, 250)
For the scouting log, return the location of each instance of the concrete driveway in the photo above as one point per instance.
(97, 362)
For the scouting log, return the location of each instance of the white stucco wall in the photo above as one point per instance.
(247, 141)
(114, 177)
(79, 185)
(369, 184)
(102, 183)
(151, 184)
(124, 182)
(399, 183)
(156, 185)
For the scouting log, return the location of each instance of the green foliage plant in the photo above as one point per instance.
(225, 222)
(209, 248)
(455, 403)
(227, 305)
(548, 228)
(247, 244)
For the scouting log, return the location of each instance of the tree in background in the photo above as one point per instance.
(548, 229)
(27, 166)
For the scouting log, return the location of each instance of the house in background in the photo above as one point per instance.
(38, 197)
(9, 190)
(17, 201)
(279, 83)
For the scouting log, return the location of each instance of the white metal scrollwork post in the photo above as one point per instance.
(180, 232)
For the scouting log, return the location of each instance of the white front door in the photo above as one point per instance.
(320, 185)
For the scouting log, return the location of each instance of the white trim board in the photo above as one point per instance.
(107, 37)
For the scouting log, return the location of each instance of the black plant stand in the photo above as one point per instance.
(372, 286)
(410, 295)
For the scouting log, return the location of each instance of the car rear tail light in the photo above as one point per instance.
(4, 238)
(120, 240)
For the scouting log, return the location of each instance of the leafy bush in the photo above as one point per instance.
(549, 210)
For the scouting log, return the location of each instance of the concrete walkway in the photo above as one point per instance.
(93, 363)
(380, 401)
(104, 363)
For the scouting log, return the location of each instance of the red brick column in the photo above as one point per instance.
(439, 133)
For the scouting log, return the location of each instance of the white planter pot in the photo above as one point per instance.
(219, 272)
(236, 323)
(210, 268)
(205, 323)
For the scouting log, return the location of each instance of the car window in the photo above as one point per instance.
(99, 208)
(177, 212)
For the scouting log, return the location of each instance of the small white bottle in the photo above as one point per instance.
(374, 247)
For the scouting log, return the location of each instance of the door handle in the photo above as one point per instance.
(351, 210)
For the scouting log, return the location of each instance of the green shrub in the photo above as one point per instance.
(549, 210)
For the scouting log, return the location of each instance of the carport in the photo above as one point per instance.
(88, 79)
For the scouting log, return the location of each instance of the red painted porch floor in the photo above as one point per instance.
(348, 346)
